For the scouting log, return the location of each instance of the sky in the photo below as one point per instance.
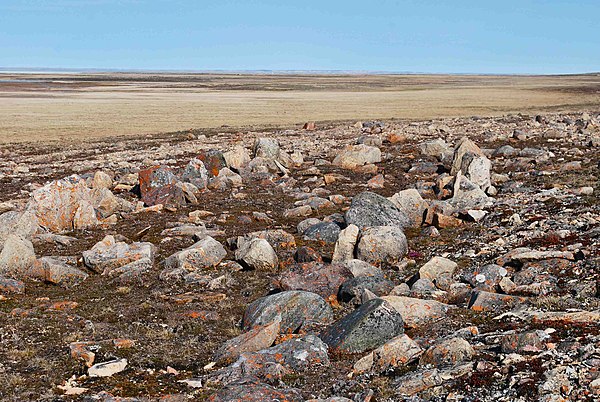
(453, 36)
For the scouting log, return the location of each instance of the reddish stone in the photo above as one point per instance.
(322, 279)
(213, 161)
(158, 185)
(254, 391)
(11, 285)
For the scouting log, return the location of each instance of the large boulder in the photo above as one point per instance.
(295, 308)
(371, 325)
(382, 244)
(353, 156)
(195, 172)
(370, 209)
(411, 203)
(237, 158)
(258, 338)
(267, 148)
(417, 312)
(22, 224)
(108, 254)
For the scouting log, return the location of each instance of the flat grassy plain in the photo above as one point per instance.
(79, 107)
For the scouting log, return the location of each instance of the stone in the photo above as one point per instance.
(303, 210)
(238, 158)
(254, 391)
(8, 285)
(369, 209)
(526, 342)
(436, 148)
(382, 245)
(354, 156)
(486, 301)
(449, 351)
(213, 161)
(523, 254)
(327, 232)
(293, 356)
(376, 182)
(306, 223)
(108, 368)
(319, 278)
(487, 277)
(278, 239)
(468, 195)
(257, 254)
(101, 180)
(417, 312)
(307, 254)
(109, 254)
(131, 272)
(345, 244)
(24, 224)
(397, 352)
(206, 253)
(371, 325)
(295, 307)
(361, 268)
(55, 271)
(354, 288)
(158, 185)
(464, 147)
(195, 173)
(17, 257)
(258, 338)
(267, 148)
(411, 204)
(56, 205)
(437, 267)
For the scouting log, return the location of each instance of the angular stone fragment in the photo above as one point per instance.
(257, 254)
(467, 195)
(319, 278)
(416, 312)
(213, 161)
(382, 244)
(449, 351)
(195, 173)
(109, 254)
(295, 308)
(237, 158)
(353, 156)
(437, 267)
(369, 326)
(327, 232)
(355, 287)
(258, 338)
(397, 352)
(8, 285)
(526, 342)
(370, 209)
(267, 148)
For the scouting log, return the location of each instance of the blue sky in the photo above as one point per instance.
(419, 36)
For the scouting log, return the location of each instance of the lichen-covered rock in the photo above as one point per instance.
(411, 204)
(437, 267)
(158, 185)
(17, 257)
(258, 338)
(55, 271)
(345, 244)
(370, 209)
(327, 232)
(22, 224)
(295, 308)
(257, 254)
(267, 148)
(416, 312)
(369, 326)
(251, 390)
(397, 352)
(449, 351)
(382, 244)
(195, 173)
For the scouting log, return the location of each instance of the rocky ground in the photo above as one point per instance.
(452, 260)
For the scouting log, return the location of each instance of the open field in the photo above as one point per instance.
(49, 107)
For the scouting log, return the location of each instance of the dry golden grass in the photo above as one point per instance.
(79, 107)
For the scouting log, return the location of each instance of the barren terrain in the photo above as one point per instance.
(72, 107)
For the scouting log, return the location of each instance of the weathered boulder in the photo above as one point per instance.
(417, 312)
(205, 253)
(369, 326)
(258, 338)
(382, 244)
(108, 254)
(237, 158)
(257, 254)
(249, 390)
(22, 224)
(195, 173)
(355, 287)
(17, 256)
(319, 278)
(437, 267)
(353, 156)
(158, 185)
(295, 308)
(468, 195)
(397, 352)
(213, 161)
(327, 232)
(370, 209)
(449, 351)
(411, 204)
(53, 270)
(267, 148)
(345, 244)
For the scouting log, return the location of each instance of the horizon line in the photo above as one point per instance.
(32, 70)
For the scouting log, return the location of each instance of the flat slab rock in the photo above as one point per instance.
(294, 307)
(416, 312)
(371, 325)
(109, 254)
(322, 279)
(254, 391)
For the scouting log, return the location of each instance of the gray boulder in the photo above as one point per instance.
(370, 209)
(382, 244)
